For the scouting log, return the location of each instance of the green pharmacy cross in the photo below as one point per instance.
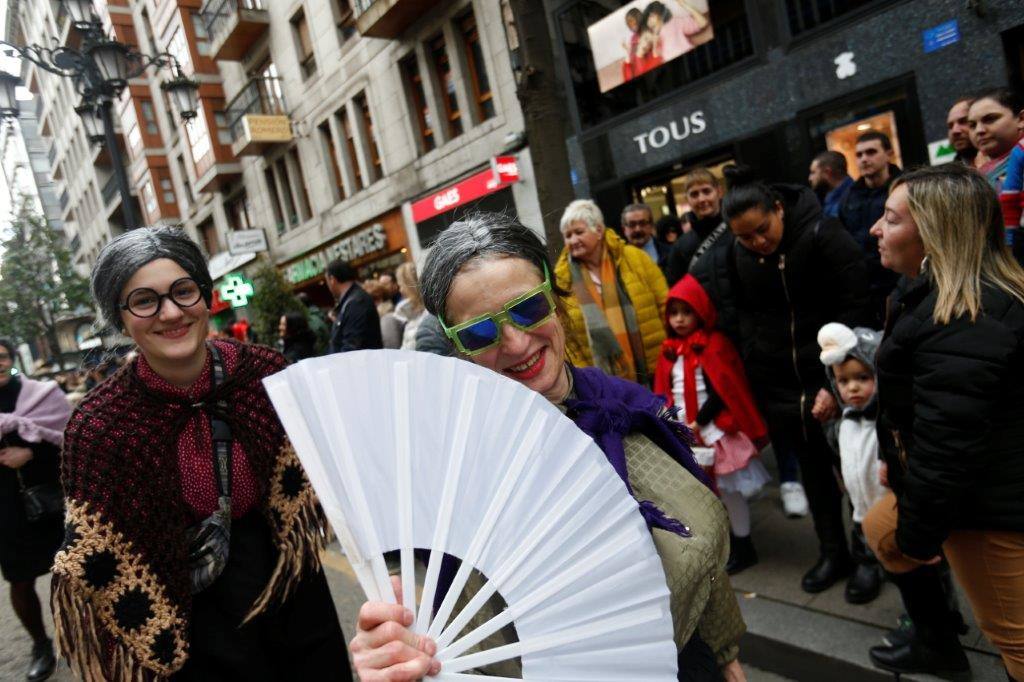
(236, 290)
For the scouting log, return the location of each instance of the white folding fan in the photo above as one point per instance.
(415, 451)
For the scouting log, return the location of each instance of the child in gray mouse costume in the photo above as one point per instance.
(849, 359)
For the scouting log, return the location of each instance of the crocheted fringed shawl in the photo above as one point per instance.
(121, 594)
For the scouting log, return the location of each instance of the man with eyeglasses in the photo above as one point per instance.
(865, 204)
(638, 228)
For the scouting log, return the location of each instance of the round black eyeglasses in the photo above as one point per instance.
(184, 293)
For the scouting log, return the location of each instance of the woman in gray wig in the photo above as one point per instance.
(192, 537)
(488, 281)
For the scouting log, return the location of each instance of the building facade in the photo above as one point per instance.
(326, 128)
(780, 81)
(362, 128)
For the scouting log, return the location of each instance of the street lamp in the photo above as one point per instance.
(184, 93)
(92, 120)
(80, 11)
(100, 70)
(8, 98)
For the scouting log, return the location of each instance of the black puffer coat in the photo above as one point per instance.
(680, 258)
(817, 275)
(949, 423)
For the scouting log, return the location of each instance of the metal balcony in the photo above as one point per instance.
(258, 117)
(388, 18)
(234, 26)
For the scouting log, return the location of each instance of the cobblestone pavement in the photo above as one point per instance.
(15, 645)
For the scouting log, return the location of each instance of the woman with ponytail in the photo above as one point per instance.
(794, 270)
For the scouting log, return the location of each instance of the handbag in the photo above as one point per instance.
(42, 501)
(210, 541)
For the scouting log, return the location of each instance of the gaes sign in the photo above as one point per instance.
(504, 171)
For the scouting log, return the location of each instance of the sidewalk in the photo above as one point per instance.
(820, 636)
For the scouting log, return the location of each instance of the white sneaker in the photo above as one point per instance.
(794, 501)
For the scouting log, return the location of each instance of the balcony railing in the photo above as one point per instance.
(388, 18)
(258, 117)
(234, 25)
(804, 15)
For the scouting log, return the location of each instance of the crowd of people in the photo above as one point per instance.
(869, 331)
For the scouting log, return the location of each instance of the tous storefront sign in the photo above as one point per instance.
(678, 129)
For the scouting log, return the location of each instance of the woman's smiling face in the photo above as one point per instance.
(174, 334)
(534, 358)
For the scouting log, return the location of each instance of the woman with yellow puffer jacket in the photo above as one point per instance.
(613, 317)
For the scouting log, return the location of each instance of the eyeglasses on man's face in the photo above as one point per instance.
(145, 302)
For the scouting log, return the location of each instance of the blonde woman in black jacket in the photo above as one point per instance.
(951, 386)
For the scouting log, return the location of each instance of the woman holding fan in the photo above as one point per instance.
(489, 282)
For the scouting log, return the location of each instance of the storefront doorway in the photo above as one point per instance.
(890, 108)
(665, 195)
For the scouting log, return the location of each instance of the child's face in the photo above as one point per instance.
(856, 382)
(681, 317)
(631, 23)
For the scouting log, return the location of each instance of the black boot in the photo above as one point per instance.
(43, 661)
(742, 554)
(866, 581)
(829, 570)
(934, 647)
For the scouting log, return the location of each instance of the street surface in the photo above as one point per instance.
(15, 645)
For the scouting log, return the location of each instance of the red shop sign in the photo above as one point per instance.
(504, 171)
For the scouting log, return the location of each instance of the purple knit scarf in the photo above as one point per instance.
(609, 408)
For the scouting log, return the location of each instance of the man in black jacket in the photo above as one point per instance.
(703, 191)
(356, 323)
(864, 205)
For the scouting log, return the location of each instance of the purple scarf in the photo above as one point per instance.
(40, 414)
(609, 408)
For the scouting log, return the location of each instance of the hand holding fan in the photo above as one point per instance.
(413, 451)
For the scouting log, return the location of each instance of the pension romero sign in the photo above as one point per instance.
(504, 171)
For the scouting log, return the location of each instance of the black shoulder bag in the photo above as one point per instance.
(210, 540)
(42, 501)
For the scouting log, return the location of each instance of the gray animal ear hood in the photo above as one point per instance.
(838, 343)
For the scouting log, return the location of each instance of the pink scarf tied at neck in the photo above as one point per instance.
(40, 414)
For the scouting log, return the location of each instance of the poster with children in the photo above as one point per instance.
(645, 34)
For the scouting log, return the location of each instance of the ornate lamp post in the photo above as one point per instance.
(100, 70)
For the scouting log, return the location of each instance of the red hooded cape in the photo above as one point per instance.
(717, 357)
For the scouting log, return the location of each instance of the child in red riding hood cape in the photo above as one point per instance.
(701, 374)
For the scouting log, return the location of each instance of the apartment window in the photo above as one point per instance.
(477, 69)
(178, 46)
(298, 179)
(304, 44)
(366, 120)
(446, 82)
(130, 123)
(167, 190)
(149, 117)
(149, 199)
(345, 19)
(223, 127)
(331, 152)
(209, 233)
(350, 147)
(418, 100)
(189, 192)
(238, 211)
(275, 201)
(202, 34)
(147, 27)
(281, 170)
(198, 138)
